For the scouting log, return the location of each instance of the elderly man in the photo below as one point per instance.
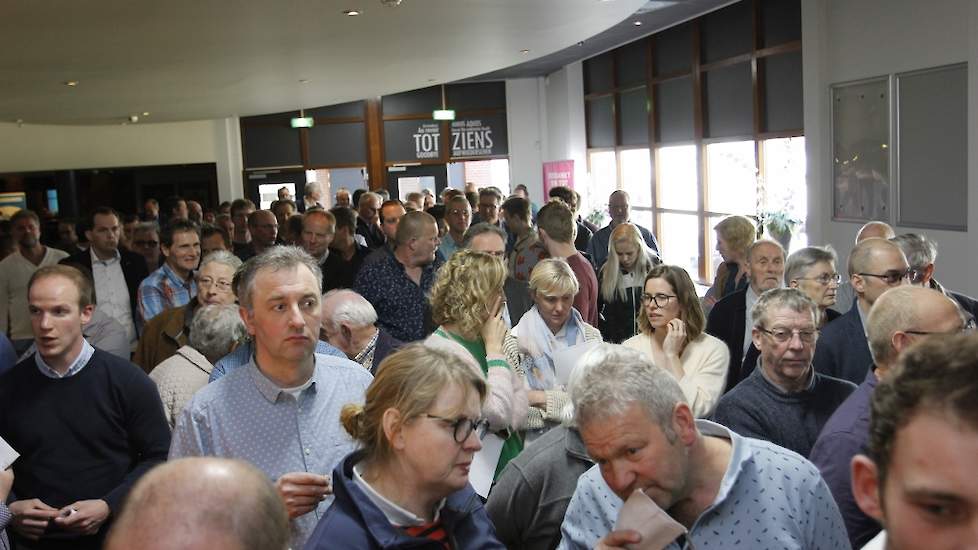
(784, 400)
(368, 220)
(86, 423)
(921, 254)
(312, 197)
(620, 210)
(349, 325)
(900, 317)
(845, 296)
(117, 272)
(244, 414)
(917, 475)
(343, 198)
(729, 319)
(555, 224)
(458, 216)
(318, 230)
(263, 228)
(173, 283)
(483, 237)
(724, 490)
(16, 269)
(875, 266)
(195, 212)
(202, 504)
(171, 329)
(398, 285)
(391, 213)
(490, 198)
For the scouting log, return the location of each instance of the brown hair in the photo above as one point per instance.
(557, 220)
(410, 381)
(690, 310)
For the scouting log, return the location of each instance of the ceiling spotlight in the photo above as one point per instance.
(581, 43)
(352, 13)
(524, 52)
(390, 3)
(145, 113)
(71, 83)
(637, 23)
(304, 81)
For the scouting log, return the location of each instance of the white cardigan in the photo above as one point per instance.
(705, 361)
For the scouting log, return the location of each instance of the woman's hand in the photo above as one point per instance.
(537, 398)
(494, 329)
(675, 338)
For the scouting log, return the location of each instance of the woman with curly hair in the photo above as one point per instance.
(467, 303)
(671, 325)
(551, 325)
(620, 283)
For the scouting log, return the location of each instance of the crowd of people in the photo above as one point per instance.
(473, 371)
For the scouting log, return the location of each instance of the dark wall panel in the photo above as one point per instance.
(783, 96)
(601, 122)
(343, 110)
(672, 50)
(266, 146)
(726, 32)
(631, 63)
(780, 21)
(635, 117)
(331, 144)
(598, 75)
(477, 95)
(415, 102)
(729, 101)
(674, 106)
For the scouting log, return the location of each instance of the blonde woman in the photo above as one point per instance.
(467, 303)
(671, 325)
(407, 484)
(734, 235)
(551, 325)
(620, 283)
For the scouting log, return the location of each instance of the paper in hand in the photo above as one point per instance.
(641, 514)
(7, 455)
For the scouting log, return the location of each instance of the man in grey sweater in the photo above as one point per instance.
(785, 401)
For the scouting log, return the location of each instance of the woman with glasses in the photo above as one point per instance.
(549, 327)
(407, 484)
(620, 283)
(671, 325)
(467, 302)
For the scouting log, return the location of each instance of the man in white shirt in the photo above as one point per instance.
(16, 271)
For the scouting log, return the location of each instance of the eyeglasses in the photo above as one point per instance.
(458, 212)
(207, 282)
(146, 243)
(965, 328)
(463, 427)
(823, 279)
(893, 276)
(783, 335)
(660, 300)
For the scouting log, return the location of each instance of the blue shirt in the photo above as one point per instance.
(769, 497)
(401, 304)
(246, 416)
(242, 354)
(163, 289)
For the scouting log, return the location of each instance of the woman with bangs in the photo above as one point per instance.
(407, 484)
(620, 283)
(671, 334)
(467, 302)
(550, 326)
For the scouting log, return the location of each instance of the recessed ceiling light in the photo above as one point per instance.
(352, 13)
(524, 52)
(304, 81)
(145, 113)
(71, 83)
(581, 43)
(431, 80)
(637, 23)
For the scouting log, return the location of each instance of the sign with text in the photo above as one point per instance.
(557, 173)
(415, 140)
(484, 136)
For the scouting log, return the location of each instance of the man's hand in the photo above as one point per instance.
(31, 517)
(616, 540)
(302, 492)
(83, 517)
(6, 482)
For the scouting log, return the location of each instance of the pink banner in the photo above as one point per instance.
(556, 173)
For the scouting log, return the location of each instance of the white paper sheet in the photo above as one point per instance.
(484, 464)
(640, 513)
(7, 455)
(565, 360)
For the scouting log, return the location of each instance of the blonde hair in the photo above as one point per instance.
(553, 276)
(738, 231)
(410, 381)
(690, 310)
(462, 291)
(612, 286)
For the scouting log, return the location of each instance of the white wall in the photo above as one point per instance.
(29, 148)
(845, 40)
(525, 121)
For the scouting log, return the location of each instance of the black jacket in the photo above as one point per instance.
(618, 319)
(133, 269)
(728, 321)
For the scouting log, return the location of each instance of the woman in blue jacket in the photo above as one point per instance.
(407, 486)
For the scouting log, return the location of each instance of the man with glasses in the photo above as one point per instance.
(921, 254)
(263, 228)
(458, 216)
(620, 210)
(900, 317)
(875, 266)
(784, 401)
(483, 237)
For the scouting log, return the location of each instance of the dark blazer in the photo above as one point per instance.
(753, 354)
(133, 270)
(339, 273)
(727, 321)
(371, 233)
(518, 299)
(386, 345)
(842, 350)
(968, 304)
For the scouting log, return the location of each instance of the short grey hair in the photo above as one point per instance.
(481, 229)
(221, 257)
(761, 242)
(352, 309)
(215, 329)
(789, 298)
(370, 194)
(802, 260)
(919, 250)
(610, 378)
(310, 187)
(273, 259)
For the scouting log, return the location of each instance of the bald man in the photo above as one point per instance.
(844, 295)
(875, 266)
(900, 317)
(202, 504)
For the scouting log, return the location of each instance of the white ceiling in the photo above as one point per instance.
(201, 59)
